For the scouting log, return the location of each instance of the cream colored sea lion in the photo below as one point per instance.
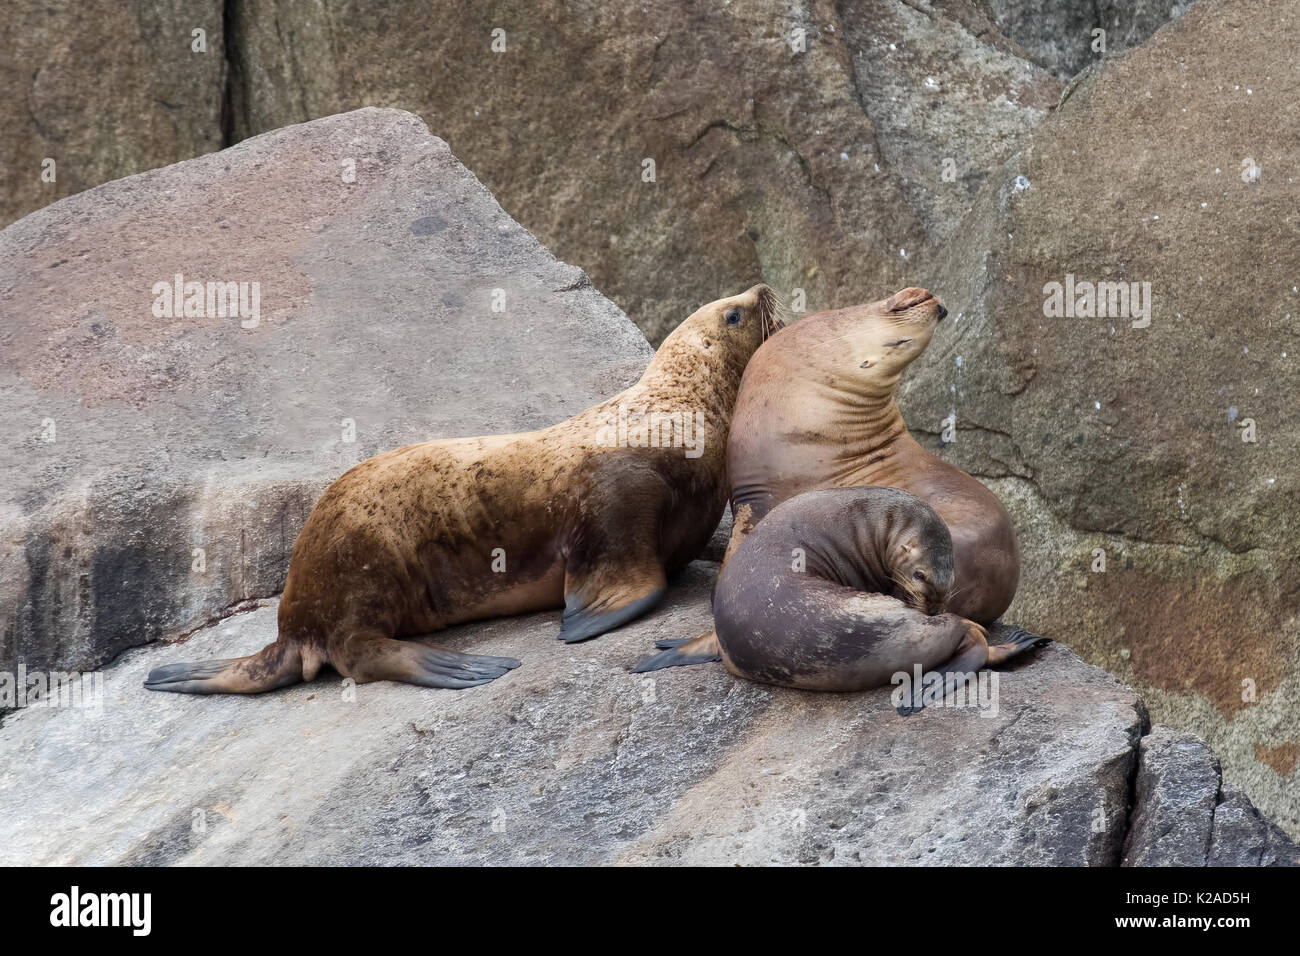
(818, 409)
(591, 514)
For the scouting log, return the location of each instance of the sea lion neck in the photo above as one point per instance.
(713, 369)
(869, 429)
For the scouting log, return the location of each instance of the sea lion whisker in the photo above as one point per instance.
(913, 599)
(770, 310)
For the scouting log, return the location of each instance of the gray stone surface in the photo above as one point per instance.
(1102, 436)
(1242, 837)
(569, 759)
(177, 434)
(1183, 815)
(1176, 792)
(1059, 33)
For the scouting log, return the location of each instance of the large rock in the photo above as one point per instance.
(1177, 791)
(1171, 165)
(803, 142)
(1184, 816)
(572, 759)
(821, 147)
(160, 468)
(104, 90)
(824, 147)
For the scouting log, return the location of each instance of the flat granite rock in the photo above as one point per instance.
(158, 468)
(569, 759)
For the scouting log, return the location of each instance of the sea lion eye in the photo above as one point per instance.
(733, 316)
(919, 575)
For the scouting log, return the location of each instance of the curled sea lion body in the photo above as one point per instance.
(839, 590)
(817, 409)
(591, 514)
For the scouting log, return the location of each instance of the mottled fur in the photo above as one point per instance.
(405, 543)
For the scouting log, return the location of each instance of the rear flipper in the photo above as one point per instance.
(685, 651)
(972, 654)
(369, 656)
(1007, 641)
(276, 665)
(431, 667)
(682, 652)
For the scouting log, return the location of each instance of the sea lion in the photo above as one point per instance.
(591, 514)
(818, 409)
(839, 590)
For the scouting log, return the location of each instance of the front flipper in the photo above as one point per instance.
(1007, 641)
(684, 651)
(591, 607)
(681, 652)
(581, 623)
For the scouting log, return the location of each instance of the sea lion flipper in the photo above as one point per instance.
(971, 656)
(703, 649)
(371, 657)
(666, 642)
(682, 653)
(448, 669)
(276, 665)
(607, 608)
(1006, 641)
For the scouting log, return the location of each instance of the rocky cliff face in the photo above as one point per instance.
(1164, 444)
(104, 92)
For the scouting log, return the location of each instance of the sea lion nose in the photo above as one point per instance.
(905, 299)
(943, 312)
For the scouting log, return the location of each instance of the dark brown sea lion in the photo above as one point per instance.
(843, 589)
(591, 514)
(818, 409)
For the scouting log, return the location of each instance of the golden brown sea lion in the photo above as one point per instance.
(591, 514)
(818, 409)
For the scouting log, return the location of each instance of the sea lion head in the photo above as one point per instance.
(867, 347)
(918, 556)
(733, 327)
